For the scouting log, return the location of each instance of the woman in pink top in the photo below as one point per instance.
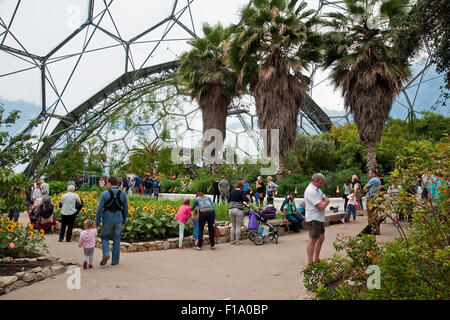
(182, 216)
(87, 242)
(351, 206)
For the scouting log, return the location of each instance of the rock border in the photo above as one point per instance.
(188, 242)
(25, 278)
(172, 243)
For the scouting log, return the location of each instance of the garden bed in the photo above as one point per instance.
(8, 268)
(22, 272)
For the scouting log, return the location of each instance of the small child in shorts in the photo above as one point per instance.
(87, 242)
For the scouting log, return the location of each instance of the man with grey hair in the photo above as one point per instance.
(315, 202)
(68, 212)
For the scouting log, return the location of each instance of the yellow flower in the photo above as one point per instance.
(30, 226)
(23, 228)
(41, 233)
(145, 208)
(9, 228)
(30, 234)
(173, 210)
(153, 211)
(83, 210)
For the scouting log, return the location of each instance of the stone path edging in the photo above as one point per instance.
(26, 278)
(172, 243)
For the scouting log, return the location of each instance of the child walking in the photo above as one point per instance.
(182, 216)
(87, 242)
(194, 221)
(351, 206)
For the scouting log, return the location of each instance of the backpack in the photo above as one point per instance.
(284, 203)
(149, 184)
(114, 204)
(45, 209)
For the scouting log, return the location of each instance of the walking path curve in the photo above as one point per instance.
(248, 272)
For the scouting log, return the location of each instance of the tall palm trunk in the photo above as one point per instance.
(214, 106)
(371, 156)
(278, 97)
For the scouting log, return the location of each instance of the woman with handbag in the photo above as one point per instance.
(69, 211)
(236, 211)
(207, 214)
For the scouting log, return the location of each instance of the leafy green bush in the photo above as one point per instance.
(416, 265)
(57, 187)
(17, 240)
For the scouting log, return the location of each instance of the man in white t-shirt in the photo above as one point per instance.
(315, 202)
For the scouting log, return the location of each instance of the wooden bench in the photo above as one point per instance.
(330, 218)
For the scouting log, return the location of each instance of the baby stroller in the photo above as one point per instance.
(265, 230)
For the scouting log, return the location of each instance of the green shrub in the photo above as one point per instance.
(57, 187)
(416, 265)
(17, 240)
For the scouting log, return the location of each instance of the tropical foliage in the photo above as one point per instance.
(205, 77)
(414, 266)
(18, 240)
(271, 50)
(365, 65)
(15, 149)
(12, 191)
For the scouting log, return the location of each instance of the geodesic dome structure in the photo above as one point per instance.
(80, 63)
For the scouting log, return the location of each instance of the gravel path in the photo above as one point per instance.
(249, 272)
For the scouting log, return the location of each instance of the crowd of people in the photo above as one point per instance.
(222, 189)
(113, 209)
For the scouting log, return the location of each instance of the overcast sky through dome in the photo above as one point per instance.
(39, 26)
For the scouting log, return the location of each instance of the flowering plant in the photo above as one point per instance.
(19, 240)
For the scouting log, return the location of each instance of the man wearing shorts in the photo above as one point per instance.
(315, 202)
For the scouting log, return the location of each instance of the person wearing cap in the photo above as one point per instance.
(292, 214)
(316, 203)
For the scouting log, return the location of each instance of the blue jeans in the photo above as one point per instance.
(350, 209)
(114, 231)
(296, 220)
(195, 232)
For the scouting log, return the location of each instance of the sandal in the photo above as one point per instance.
(197, 248)
(213, 248)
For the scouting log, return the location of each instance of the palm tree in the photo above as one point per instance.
(143, 158)
(366, 65)
(205, 77)
(273, 45)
